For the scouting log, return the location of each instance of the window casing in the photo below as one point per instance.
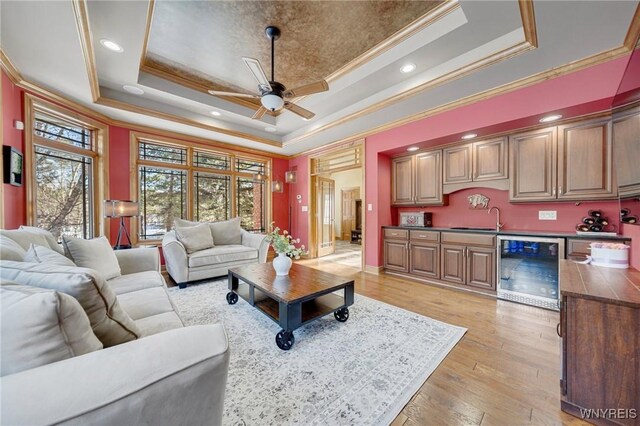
(199, 184)
(65, 160)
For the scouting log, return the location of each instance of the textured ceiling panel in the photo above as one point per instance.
(204, 41)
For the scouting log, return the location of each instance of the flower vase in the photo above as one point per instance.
(282, 263)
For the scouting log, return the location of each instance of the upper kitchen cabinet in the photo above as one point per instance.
(533, 165)
(490, 160)
(585, 161)
(417, 180)
(570, 162)
(476, 162)
(626, 143)
(402, 181)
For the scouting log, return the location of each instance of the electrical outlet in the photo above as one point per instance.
(370, 207)
(547, 215)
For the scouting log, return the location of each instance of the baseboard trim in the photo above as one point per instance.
(375, 270)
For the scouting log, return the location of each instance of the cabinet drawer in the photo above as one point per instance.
(468, 239)
(416, 235)
(396, 234)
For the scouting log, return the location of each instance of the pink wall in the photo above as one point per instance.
(522, 217)
(581, 92)
(14, 203)
(119, 185)
(299, 218)
(280, 200)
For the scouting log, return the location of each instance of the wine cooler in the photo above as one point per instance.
(528, 270)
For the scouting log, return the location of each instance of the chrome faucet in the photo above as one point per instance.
(498, 224)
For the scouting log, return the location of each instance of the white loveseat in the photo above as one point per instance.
(232, 246)
(164, 374)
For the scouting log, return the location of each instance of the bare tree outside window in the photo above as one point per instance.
(64, 193)
(162, 199)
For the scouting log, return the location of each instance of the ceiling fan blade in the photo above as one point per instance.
(304, 113)
(259, 113)
(240, 95)
(258, 73)
(307, 89)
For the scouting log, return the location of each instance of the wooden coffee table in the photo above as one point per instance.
(291, 301)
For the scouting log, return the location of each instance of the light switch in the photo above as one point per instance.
(370, 207)
(305, 208)
(547, 215)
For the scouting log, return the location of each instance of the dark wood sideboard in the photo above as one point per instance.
(600, 330)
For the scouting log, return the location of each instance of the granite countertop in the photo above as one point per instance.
(551, 234)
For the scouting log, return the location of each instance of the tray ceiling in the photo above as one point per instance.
(204, 41)
(176, 50)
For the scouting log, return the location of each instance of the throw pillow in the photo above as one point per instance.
(25, 238)
(53, 242)
(96, 254)
(226, 232)
(40, 327)
(41, 254)
(10, 250)
(195, 238)
(110, 323)
(183, 223)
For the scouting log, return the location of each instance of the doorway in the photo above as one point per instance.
(336, 219)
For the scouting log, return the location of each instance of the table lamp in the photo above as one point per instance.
(121, 209)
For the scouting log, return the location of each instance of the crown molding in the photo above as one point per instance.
(9, 68)
(528, 21)
(86, 45)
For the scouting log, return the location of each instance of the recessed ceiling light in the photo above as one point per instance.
(412, 148)
(270, 129)
(133, 89)
(549, 118)
(407, 68)
(469, 136)
(216, 113)
(111, 45)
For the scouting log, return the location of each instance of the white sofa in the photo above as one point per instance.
(233, 247)
(169, 374)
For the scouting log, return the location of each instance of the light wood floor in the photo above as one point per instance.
(504, 371)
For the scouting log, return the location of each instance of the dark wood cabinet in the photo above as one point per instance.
(424, 259)
(600, 330)
(481, 267)
(570, 162)
(396, 255)
(532, 163)
(402, 181)
(585, 161)
(626, 146)
(453, 264)
(417, 180)
(457, 164)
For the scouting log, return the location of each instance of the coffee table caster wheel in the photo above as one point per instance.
(342, 314)
(285, 340)
(232, 298)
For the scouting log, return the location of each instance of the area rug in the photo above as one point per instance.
(361, 372)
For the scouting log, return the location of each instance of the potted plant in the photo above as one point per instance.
(285, 246)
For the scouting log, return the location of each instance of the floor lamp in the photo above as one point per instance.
(121, 209)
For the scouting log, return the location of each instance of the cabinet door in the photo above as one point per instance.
(532, 161)
(584, 161)
(626, 146)
(428, 184)
(490, 160)
(457, 164)
(425, 260)
(396, 256)
(402, 180)
(481, 268)
(452, 264)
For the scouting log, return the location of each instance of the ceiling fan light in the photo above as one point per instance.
(272, 102)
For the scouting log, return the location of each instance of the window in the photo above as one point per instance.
(176, 179)
(65, 183)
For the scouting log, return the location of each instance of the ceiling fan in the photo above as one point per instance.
(272, 93)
